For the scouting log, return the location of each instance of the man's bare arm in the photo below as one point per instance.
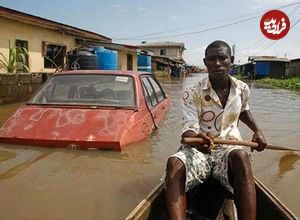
(248, 119)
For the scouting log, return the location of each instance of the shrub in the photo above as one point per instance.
(17, 59)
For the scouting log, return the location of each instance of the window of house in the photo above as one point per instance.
(20, 59)
(163, 52)
(160, 66)
(129, 61)
(54, 55)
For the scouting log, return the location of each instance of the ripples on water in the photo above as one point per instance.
(278, 112)
(107, 185)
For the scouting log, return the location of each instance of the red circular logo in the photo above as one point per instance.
(275, 24)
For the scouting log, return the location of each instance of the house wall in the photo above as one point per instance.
(122, 60)
(35, 36)
(262, 69)
(294, 68)
(170, 51)
(272, 69)
(278, 70)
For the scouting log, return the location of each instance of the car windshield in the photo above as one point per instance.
(87, 89)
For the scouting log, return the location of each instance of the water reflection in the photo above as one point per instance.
(287, 163)
(139, 153)
(6, 155)
(17, 159)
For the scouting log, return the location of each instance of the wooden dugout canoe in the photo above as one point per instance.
(153, 206)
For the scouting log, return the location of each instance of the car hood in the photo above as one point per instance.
(58, 127)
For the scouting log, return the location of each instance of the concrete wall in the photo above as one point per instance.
(12, 30)
(170, 51)
(122, 60)
(20, 87)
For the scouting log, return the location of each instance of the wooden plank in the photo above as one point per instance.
(269, 206)
(143, 209)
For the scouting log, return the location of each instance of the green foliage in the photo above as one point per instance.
(17, 59)
(291, 83)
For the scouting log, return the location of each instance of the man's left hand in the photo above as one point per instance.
(259, 138)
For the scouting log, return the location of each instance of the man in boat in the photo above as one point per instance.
(212, 108)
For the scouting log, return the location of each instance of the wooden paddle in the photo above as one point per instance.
(196, 140)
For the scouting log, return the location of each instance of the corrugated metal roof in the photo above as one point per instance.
(162, 44)
(295, 60)
(267, 58)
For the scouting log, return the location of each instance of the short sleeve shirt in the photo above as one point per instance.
(203, 111)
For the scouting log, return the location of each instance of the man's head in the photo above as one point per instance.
(218, 59)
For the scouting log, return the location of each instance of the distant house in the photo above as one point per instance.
(294, 67)
(167, 55)
(168, 49)
(264, 66)
(48, 41)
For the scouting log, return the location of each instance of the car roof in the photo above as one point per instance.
(113, 72)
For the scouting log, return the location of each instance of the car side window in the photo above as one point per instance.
(159, 93)
(147, 97)
(149, 93)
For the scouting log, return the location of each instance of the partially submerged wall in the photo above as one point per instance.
(20, 87)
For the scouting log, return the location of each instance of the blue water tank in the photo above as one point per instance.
(144, 62)
(106, 59)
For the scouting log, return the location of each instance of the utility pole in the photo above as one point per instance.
(233, 49)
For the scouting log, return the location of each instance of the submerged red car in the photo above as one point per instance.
(89, 109)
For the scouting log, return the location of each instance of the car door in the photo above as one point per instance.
(156, 99)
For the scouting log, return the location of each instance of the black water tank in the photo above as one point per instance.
(83, 59)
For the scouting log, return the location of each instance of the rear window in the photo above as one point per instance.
(87, 89)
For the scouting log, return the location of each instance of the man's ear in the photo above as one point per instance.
(232, 59)
(204, 61)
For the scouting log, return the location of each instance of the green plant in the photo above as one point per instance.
(17, 59)
(289, 83)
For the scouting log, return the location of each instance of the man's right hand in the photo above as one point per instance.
(208, 141)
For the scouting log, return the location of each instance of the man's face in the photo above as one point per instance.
(218, 62)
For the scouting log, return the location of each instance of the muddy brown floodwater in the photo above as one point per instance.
(42, 183)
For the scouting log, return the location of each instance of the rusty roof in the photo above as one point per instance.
(162, 44)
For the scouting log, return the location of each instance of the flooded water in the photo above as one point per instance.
(42, 183)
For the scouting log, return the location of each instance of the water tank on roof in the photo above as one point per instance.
(144, 62)
(106, 59)
(82, 59)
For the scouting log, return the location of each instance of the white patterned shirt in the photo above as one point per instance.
(203, 111)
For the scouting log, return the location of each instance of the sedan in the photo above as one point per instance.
(89, 109)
